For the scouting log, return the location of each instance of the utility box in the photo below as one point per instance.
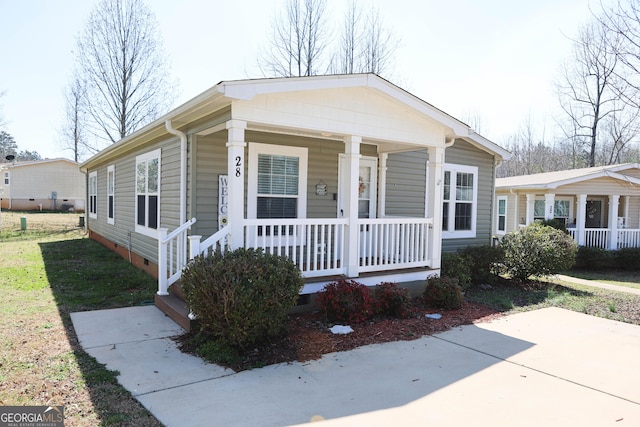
(23, 223)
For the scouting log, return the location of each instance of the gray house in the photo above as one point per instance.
(347, 175)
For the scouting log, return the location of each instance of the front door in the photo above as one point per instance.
(594, 214)
(367, 187)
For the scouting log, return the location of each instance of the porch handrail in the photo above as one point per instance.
(172, 255)
(197, 247)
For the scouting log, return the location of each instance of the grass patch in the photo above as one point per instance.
(511, 296)
(46, 274)
(630, 279)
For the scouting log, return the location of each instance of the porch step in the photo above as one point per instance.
(175, 308)
(176, 289)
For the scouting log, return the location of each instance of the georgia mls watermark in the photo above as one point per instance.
(31, 416)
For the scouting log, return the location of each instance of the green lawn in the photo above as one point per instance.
(44, 276)
(630, 279)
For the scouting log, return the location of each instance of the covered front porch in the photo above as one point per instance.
(599, 221)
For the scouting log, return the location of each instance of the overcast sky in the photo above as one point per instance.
(494, 59)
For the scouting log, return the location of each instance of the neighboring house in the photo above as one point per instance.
(347, 175)
(600, 206)
(52, 184)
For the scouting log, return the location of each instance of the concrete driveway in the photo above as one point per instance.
(549, 367)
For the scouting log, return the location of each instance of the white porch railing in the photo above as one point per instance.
(394, 243)
(314, 245)
(628, 238)
(172, 255)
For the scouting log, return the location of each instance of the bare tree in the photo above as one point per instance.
(120, 57)
(587, 88)
(73, 130)
(298, 40)
(365, 45)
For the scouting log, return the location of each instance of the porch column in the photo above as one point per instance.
(581, 218)
(235, 172)
(435, 193)
(382, 180)
(549, 200)
(531, 198)
(352, 151)
(614, 201)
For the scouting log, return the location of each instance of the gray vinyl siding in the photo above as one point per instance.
(210, 154)
(463, 153)
(122, 232)
(406, 183)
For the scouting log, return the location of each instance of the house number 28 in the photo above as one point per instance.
(238, 166)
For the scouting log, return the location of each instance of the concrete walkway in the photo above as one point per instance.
(598, 284)
(549, 367)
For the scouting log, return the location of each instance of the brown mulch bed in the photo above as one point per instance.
(308, 336)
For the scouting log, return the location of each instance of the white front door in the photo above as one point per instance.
(367, 187)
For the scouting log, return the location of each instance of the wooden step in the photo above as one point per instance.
(176, 289)
(175, 308)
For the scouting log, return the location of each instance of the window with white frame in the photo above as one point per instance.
(502, 215)
(277, 182)
(561, 210)
(459, 207)
(148, 193)
(111, 185)
(93, 194)
(6, 178)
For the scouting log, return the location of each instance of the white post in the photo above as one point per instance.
(530, 206)
(549, 200)
(581, 218)
(162, 262)
(352, 151)
(235, 171)
(382, 184)
(435, 193)
(194, 246)
(614, 201)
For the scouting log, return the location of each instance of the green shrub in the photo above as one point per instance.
(537, 250)
(556, 223)
(483, 262)
(241, 297)
(392, 300)
(456, 265)
(594, 259)
(627, 259)
(346, 301)
(443, 292)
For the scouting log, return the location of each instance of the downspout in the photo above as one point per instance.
(183, 169)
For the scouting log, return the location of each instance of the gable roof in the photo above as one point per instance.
(225, 92)
(550, 180)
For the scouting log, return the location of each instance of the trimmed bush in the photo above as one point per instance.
(346, 301)
(443, 292)
(392, 300)
(458, 266)
(556, 223)
(594, 259)
(537, 250)
(627, 259)
(241, 297)
(483, 262)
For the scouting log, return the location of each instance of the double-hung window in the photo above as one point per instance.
(459, 207)
(93, 194)
(111, 185)
(561, 210)
(6, 178)
(148, 193)
(277, 184)
(502, 215)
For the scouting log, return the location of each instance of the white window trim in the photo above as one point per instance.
(569, 199)
(256, 149)
(461, 234)
(111, 170)
(93, 175)
(506, 211)
(6, 179)
(151, 232)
